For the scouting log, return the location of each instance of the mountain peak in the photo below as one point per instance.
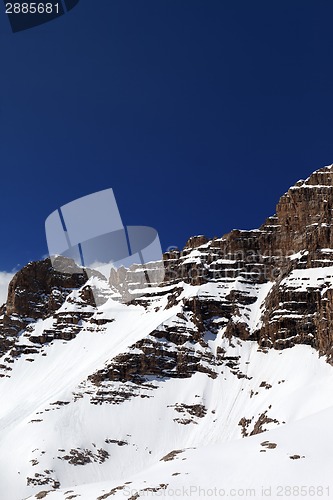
(321, 177)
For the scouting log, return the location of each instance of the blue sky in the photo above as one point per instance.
(199, 114)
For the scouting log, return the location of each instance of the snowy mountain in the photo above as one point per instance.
(218, 382)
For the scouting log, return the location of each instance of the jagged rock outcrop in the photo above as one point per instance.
(36, 292)
(286, 251)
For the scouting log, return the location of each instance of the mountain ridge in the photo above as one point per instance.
(224, 350)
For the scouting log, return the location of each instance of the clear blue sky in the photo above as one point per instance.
(199, 114)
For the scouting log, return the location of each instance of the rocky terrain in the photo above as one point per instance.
(237, 341)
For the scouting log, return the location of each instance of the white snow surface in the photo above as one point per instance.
(5, 278)
(290, 390)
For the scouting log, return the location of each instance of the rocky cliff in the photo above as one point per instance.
(273, 270)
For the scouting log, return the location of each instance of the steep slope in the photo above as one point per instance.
(181, 382)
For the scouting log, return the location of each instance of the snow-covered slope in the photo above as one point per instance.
(291, 461)
(52, 435)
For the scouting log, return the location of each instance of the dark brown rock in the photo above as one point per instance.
(36, 291)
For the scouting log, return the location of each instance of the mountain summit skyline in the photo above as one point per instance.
(216, 382)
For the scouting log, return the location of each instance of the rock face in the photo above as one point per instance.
(285, 253)
(36, 292)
